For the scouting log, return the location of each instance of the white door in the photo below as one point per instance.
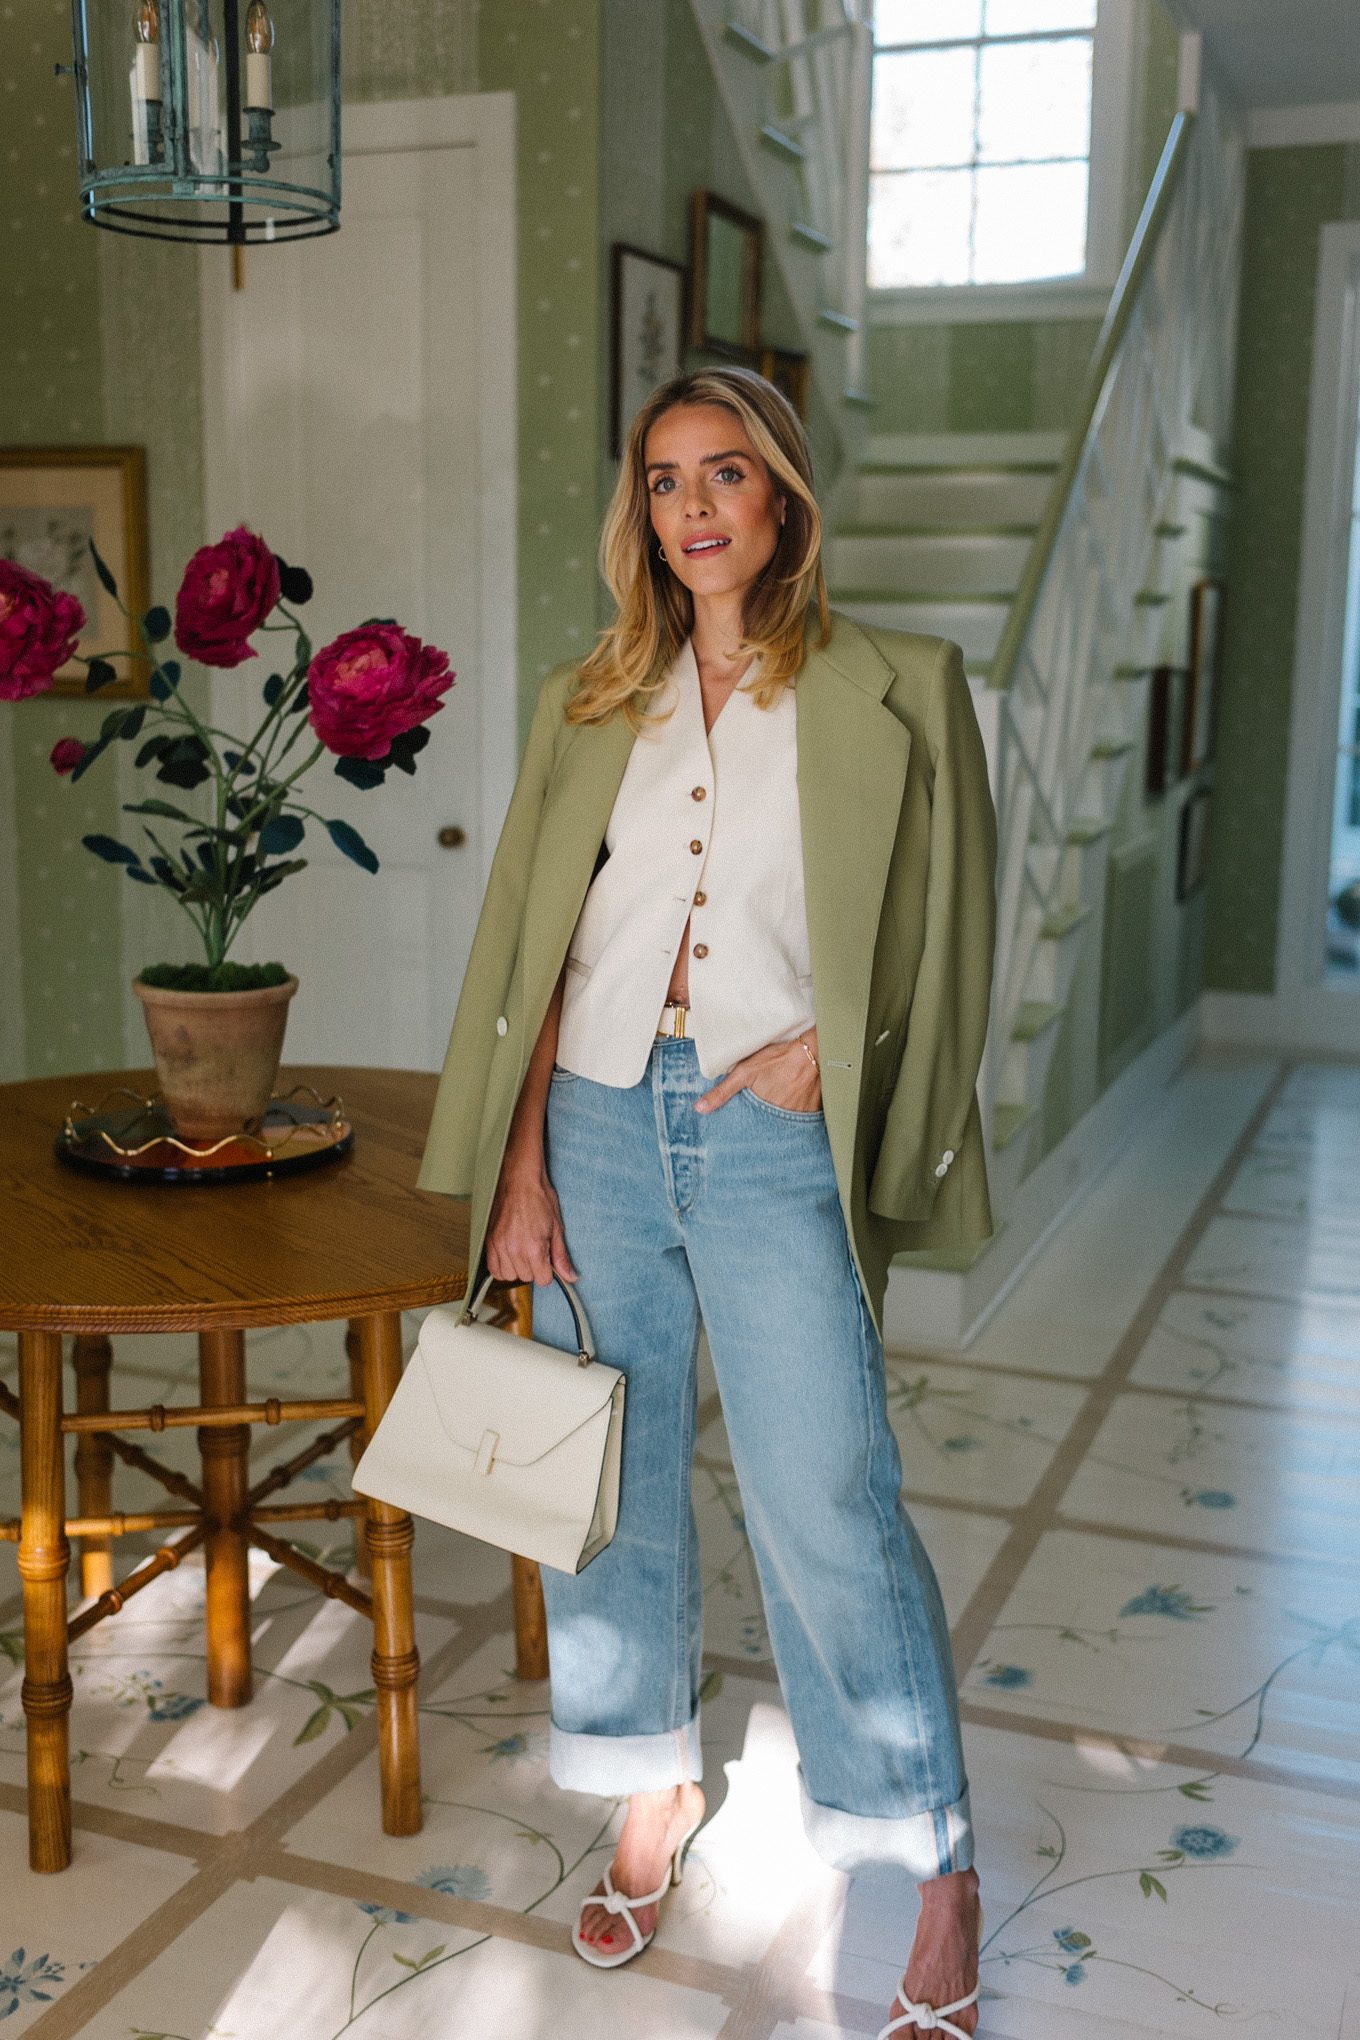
(360, 416)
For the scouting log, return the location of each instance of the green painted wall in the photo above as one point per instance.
(1292, 194)
(99, 342)
(1017, 375)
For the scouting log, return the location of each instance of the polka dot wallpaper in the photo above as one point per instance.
(1291, 195)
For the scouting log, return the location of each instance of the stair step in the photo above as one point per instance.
(1009, 1120)
(933, 531)
(1089, 829)
(1151, 598)
(973, 623)
(1168, 530)
(775, 139)
(1033, 1017)
(748, 42)
(810, 237)
(952, 565)
(1025, 451)
(1112, 747)
(840, 321)
(1060, 921)
(860, 397)
(978, 499)
(1132, 673)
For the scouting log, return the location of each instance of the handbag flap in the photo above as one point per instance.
(484, 1379)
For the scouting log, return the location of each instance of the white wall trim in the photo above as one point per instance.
(971, 303)
(1302, 1020)
(926, 1307)
(1281, 127)
(1300, 958)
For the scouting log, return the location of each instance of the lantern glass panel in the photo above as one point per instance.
(210, 120)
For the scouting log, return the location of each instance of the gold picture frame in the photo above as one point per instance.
(53, 500)
(725, 246)
(789, 372)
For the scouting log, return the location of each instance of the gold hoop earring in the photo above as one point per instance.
(661, 553)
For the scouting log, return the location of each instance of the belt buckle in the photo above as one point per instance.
(676, 1029)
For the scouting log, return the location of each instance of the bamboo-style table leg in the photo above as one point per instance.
(390, 1537)
(92, 1358)
(222, 1379)
(44, 1557)
(526, 1581)
(358, 1439)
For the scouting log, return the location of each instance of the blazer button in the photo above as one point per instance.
(696, 846)
(701, 949)
(942, 1168)
(699, 793)
(948, 1155)
(699, 898)
(502, 1025)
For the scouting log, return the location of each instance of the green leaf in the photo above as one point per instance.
(1197, 1788)
(132, 722)
(160, 807)
(407, 747)
(275, 874)
(1148, 1884)
(314, 1725)
(142, 877)
(165, 680)
(351, 844)
(303, 655)
(110, 850)
(273, 688)
(112, 725)
(96, 750)
(712, 1686)
(105, 577)
(156, 624)
(302, 699)
(101, 673)
(280, 834)
(152, 748)
(295, 583)
(360, 772)
(1072, 1939)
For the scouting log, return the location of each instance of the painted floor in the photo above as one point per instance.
(1141, 1491)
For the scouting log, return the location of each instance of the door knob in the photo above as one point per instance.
(451, 837)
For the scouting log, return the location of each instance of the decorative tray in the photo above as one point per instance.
(134, 1140)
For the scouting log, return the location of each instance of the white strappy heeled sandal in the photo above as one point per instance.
(930, 2018)
(619, 1902)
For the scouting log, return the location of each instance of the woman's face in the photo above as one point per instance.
(715, 507)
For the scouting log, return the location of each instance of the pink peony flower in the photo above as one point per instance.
(67, 753)
(39, 627)
(227, 592)
(370, 685)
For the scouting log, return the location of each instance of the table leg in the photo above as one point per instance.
(526, 1581)
(363, 1565)
(92, 1358)
(44, 1557)
(395, 1659)
(222, 1379)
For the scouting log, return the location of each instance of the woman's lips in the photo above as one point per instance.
(700, 547)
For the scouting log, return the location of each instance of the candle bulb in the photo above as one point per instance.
(146, 72)
(259, 62)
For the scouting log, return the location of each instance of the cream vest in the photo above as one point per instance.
(713, 813)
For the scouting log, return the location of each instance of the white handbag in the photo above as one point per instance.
(503, 1438)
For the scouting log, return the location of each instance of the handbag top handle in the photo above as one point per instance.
(585, 1344)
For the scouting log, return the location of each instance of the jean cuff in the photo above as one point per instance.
(928, 1844)
(616, 1765)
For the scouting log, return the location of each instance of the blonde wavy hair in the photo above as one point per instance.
(655, 609)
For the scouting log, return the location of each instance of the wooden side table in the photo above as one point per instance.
(353, 1240)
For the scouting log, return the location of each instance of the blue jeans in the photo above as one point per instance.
(733, 1217)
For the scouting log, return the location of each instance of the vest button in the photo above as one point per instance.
(696, 846)
(701, 949)
(699, 793)
(699, 898)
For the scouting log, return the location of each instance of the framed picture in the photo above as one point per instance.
(53, 501)
(725, 245)
(1206, 632)
(1161, 693)
(1192, 860)
(789, 374)
(649, 332)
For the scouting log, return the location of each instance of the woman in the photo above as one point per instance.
(716, 1055)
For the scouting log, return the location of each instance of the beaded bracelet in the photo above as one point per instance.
(810, 1056)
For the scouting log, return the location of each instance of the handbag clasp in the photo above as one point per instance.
(486, 1452)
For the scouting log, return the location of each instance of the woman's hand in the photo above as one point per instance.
(524, 1237)
(782, 1073)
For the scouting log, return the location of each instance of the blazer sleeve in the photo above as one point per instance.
(947, 1023)
(455, 1126)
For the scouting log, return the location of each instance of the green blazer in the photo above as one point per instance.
(899, 856)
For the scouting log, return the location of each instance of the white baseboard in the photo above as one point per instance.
(1321, 1019)
(927, 1307)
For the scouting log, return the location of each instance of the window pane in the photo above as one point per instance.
(923, 104)
(1023, 17)
(917, 21)
(1035, 100)
(918, 228)
(1031, 222)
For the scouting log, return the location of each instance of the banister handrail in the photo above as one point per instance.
(1142, 248)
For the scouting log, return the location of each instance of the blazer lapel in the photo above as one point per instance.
(852, 766)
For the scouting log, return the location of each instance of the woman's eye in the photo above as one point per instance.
(739, 474)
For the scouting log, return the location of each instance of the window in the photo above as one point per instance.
(980, 142)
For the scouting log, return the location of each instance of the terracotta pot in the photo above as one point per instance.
(217, 1053)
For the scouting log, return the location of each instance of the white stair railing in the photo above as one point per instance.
(1159, 375)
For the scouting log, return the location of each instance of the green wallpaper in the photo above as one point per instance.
(1291, 195)
(1015, 375)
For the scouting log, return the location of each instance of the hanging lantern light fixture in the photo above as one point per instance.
(209, 120)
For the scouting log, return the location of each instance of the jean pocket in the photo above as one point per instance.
(814, 1118)
(564, 1076)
